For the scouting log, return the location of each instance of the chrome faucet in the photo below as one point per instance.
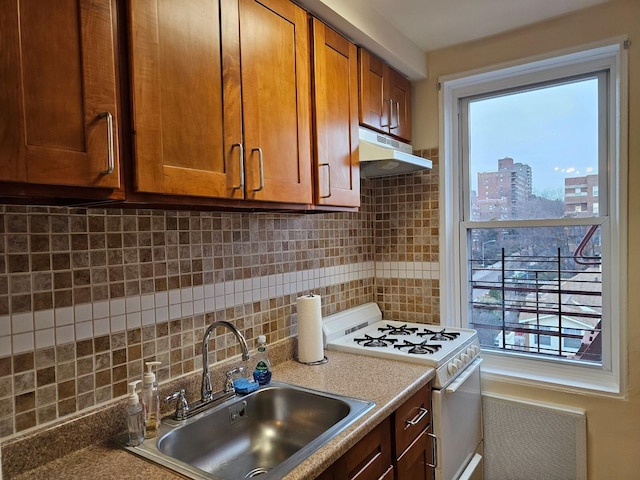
(206, 391)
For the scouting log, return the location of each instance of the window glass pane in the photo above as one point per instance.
(537, 290)
(533, 153)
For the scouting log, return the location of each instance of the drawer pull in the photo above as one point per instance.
(111, 162)
(241, 151)
(328, 178)
(434, 451)
(417, 419)
(261, 168)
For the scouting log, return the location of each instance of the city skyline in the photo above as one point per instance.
(552, 129)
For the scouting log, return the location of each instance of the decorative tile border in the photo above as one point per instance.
(25, 332)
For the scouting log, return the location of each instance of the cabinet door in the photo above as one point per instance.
(374, 105)
(400, 106)
(335, 99)
(414, 463)
(411, 418)
(187, 134)
(369, 459)
(58, 101)
(275, 56)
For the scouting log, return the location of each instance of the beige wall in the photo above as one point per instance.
(613, 424)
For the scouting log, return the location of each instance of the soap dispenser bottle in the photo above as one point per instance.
(150, 401)
(135, 416)
(262, 372)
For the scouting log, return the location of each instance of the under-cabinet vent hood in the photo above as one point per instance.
(381, 156)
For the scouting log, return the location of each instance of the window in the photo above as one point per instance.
(541, 277)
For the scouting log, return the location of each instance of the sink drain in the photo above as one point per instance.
(256, 471)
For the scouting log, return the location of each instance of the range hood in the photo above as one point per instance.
(381, 156)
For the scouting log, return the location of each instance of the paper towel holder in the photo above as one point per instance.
(317, 362)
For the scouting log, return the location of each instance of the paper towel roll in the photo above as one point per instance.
(310, 344)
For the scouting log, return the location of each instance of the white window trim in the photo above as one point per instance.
(610, 380)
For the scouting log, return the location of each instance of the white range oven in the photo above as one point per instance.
(456, 401)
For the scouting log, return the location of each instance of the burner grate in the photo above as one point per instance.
(399, 330)
(441, 336)
(423, 348)
(370, 341)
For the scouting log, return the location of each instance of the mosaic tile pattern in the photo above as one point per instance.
(87, 295)
(406, 244)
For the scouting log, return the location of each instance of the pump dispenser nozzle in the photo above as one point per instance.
(149, 375)
(133, 394)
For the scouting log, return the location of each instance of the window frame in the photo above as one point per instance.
(609, 55)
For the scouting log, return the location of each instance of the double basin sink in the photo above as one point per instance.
(264, 434)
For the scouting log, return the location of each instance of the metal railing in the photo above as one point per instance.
(544, 305)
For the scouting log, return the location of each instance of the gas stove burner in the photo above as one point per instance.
(440, 336)
(401, 330)
(419, 348)
(370, 341)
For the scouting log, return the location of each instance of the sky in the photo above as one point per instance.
(553, 130)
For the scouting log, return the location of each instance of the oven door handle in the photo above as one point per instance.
(470, 370)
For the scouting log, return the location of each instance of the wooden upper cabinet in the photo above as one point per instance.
(385, 97)
(186, 140)
(58, 100)
(335, 101)
(400, 95)
(221, 99)
(276, 90)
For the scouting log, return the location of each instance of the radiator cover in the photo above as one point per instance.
(531, 441)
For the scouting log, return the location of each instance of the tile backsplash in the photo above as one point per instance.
(87, 295)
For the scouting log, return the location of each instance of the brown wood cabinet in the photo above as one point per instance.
(369, 459)
(385, 97)
(400, 447)
(415, 461)
(412, 443)
(335, 107)
(59, 114)
(221, 99)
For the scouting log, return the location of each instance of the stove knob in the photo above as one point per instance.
(465, 358)
(470, 352)
(458, 363)
(452, 368)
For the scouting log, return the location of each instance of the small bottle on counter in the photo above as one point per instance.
(150, 401)
(135, 416)
(262, 372)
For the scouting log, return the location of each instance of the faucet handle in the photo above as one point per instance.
(182, 405)
(228, 387)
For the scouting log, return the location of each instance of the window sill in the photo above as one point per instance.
(551, 375)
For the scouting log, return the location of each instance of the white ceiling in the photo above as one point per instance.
(401, 31)
(434, 24)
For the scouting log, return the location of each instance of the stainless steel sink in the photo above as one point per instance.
(261, 435)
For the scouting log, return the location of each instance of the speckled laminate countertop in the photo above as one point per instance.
(386, 382)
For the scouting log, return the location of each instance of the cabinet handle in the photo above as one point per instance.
(111, 162)
(241, 147)
(434, 450)
(397, 104)
(390, 101)
(261, 167)
(329, 178)
(422, 412)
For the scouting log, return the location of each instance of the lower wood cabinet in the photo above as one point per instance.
(369, 459)
(399, 448)
(414, 462)
(413, 447)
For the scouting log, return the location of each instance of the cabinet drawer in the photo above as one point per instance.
(411, 418)
(369, 459)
